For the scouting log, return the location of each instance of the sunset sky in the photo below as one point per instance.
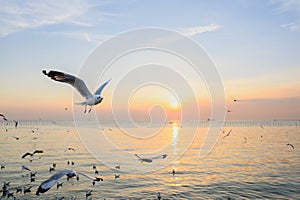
(255, 46)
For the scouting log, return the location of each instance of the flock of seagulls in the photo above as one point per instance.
(90, 100)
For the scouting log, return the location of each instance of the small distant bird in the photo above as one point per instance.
(32, 179)
(59, 184)
(16, 123)
(25, 168)
(72, 163)
(158, 196)
(10, 194)
(31, 154)
(27, 189)
(228, 111)
(70, 149)
(173, 172)
(88, 193)
(96, 171)
(17, 138)
(54, 165)
(51, 169)
(6, 184)
(290, 145)
(228, 134)
(235, 100)
(117, 176)
(261, 126)
(3, 117)
(245, 140)
(80, 86)
(148, 160)
(2, 166)
(32, 174)
(117, 167)
(94, 167)
(19, 190)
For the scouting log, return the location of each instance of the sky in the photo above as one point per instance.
(254, 45)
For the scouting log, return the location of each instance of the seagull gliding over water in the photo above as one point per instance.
(90, 99)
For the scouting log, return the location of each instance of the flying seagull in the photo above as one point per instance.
(148, 160)
(47, 184)
(25, 168)
(290, 145)
(227, 134)
(31, 154)
(16, 123)
(70, 149)
(4, 118)
(90, 99)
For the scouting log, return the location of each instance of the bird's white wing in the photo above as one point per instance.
(70, 79)
(159, 157)
(87, 176)
(98, 92)
(47, 184)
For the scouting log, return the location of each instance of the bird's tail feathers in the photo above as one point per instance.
(81, 103)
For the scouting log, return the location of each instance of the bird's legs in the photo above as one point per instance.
(90, 109)
(85, 108)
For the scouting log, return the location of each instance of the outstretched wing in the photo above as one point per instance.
(90, 177)
(26, 154)
(98, 92)
(138, 156)
(159, 157)
(47, 184)
(38, 151)
(4, 118)
(70, 79)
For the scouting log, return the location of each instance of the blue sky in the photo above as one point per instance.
(254, 44)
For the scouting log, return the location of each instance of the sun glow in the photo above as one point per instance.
(174, 104)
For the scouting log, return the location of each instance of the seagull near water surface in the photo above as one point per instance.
(149, 160)
(80, 86)
(47, 184)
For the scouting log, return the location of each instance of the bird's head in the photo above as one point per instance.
(98, 99)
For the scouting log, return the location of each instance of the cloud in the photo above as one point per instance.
(293, 26)
(85, 35)
(191, 31)
(18, 15)
(289, 6)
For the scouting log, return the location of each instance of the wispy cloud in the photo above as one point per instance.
(191, 31)
(18, 15)
(289, 6)
(85, 35)
(293, 26)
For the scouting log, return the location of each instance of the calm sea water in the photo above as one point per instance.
(251, 163)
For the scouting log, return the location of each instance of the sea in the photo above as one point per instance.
(247, 159)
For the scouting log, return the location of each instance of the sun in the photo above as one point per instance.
(174, 104)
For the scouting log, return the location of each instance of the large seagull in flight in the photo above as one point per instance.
(90, 99)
